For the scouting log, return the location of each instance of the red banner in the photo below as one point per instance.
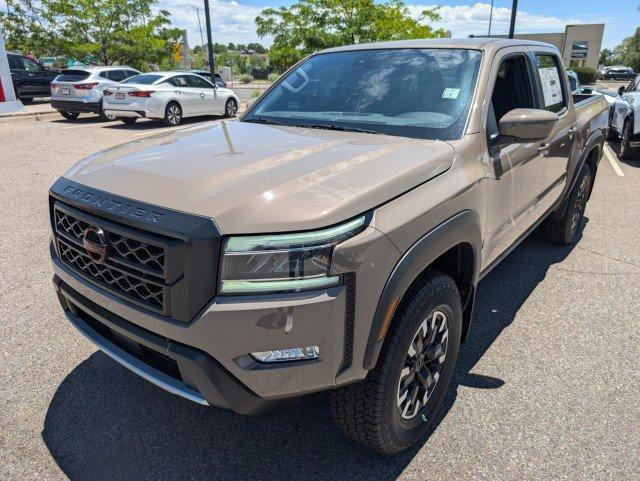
(2, 99)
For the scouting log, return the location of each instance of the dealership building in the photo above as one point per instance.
(579, 44)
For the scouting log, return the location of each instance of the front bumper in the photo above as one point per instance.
(76, 106)
(212, 351)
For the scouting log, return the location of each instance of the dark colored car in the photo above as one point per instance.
(621, 73)
(30, 78)
(206, 74)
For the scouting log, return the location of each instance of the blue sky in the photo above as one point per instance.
(233, 20)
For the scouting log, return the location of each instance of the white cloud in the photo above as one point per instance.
(463, 20)
(230, 21)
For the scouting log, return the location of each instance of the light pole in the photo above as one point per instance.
(490, 19)
(512, 27)
(207, 18)
(199, 26)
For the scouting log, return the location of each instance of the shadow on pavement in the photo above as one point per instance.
(106, 423)
(634, 161)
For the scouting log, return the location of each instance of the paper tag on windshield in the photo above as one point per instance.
(450, 93)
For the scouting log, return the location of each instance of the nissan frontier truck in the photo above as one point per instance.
(333, 237)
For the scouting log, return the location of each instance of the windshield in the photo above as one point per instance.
(145, 79)
(418, 93)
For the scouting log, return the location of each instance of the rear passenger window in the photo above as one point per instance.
(116, 75)
(551, 82)
(15, 62)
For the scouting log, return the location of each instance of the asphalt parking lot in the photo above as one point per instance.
(545, 388)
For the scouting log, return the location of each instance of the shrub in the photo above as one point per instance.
(586, 75)
(272, 77)
(255, 93)
(246, 79)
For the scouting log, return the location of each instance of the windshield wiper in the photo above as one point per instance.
(258, 120)
(338, 127)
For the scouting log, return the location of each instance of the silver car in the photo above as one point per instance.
(79, 90)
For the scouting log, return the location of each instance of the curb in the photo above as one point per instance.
(25, 117)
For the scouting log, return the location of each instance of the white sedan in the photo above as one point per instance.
(170, 96)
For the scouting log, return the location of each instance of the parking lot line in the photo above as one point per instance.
(84, 125)
(613, 161)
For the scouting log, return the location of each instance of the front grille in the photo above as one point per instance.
(133, 287)
(135, 266)
(124, 249)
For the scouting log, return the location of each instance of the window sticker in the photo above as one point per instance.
(450, 93)
(551, 86)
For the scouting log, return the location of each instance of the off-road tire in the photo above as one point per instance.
(69, 115)
(368, 411)
(172, 114)
(563, 231)
(625, 140)
(129, 120)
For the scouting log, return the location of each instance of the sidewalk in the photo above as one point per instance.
(34, 111)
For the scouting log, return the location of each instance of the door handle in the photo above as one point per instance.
(572, 131)
(201, 95)
(176, 91)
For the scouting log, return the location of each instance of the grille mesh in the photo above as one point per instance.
(139, 253)
(131, 286)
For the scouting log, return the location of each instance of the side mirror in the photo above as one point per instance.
(621, 90)
(520, 126)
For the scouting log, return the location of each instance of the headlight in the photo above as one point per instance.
(283, 262)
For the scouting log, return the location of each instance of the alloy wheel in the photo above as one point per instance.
(580, 204)
(174, 115)
(423, 364)
(232, 108)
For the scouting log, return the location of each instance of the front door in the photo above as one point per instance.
(208, 93)
(517, 172)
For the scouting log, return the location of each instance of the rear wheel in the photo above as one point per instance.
(69, 115)
(173, 114)
(231, 108)
(129, 120)
(393, 407)
(563, 231)
(625, 140)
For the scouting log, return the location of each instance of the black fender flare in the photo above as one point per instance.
(596, 140)
(463, 227)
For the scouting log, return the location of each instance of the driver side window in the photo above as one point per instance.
(512, 90)
(30, 65)
(633, 85)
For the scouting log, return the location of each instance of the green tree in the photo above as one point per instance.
(310, 25)
(628, 52)
(257, 48)
(606, 57)
(109, 31)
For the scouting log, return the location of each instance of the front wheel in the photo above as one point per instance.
(625, 140)
(104, 116)
(69, 115)
(231, 108)
(173, 114)
(395, 404)
(611, 132)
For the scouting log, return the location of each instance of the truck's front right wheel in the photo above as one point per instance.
(393, 407)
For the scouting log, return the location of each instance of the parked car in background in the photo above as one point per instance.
(170, 96)
(617, 73)
(206, 74)
(79, 90)
(30, 78)
(624, 122)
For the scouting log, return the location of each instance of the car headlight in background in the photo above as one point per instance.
(294, 262)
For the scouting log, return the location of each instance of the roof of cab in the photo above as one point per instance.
(474, 43)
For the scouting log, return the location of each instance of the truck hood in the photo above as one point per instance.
(253, 178)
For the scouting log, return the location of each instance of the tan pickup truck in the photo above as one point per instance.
(333, 237)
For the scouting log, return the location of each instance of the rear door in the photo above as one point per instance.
(554, 95)
(189, 97)
(632, 97)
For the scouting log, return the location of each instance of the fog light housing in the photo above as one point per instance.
(284, 355)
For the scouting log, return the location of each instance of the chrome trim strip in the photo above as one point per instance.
(138, 367)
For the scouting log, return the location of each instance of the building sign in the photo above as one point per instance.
(580, 49)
